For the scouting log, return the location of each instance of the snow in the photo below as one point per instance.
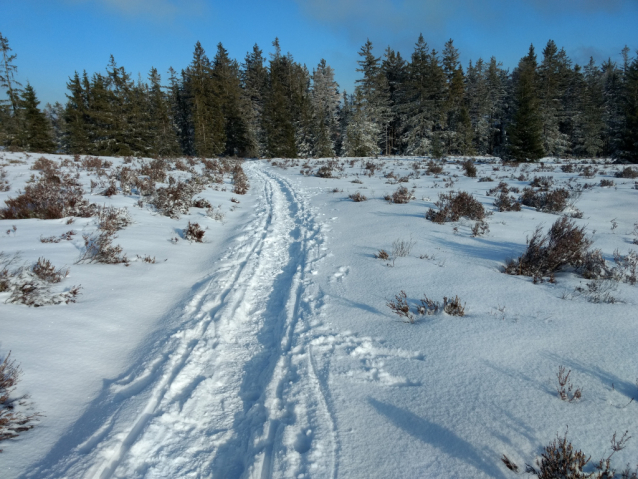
(269, 351)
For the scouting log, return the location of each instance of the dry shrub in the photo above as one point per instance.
(382, 254)
(99, 248)
(212, 166)
(51, 197)
(94, 163)
(31, 286)
(240, 180)
(181, 166)
(480, 228)
(607, 183)
(565, 386)
(324, 172)
(111, 190)
(357, 197)
(44, 164)
(454, 206)
(68, 236)
(453, 307)
(4, 184)
(216, 213)
(433, 168)
(505, 202)
(552, 201)
(155, 170)
(401, 195)
(628, 172)
(194, 232)
(175, 199)
(569, 168)
(561, 460)
(564, 245)
(542, 182)
(201, 203)
(470, 169)
(112, 219)
(400, 307)
(626, 267)
(15, 417)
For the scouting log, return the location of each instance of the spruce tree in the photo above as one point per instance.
(9, 127)
(76, 117)
(394, 69)
(277, 118)
(254, 77)
(525, 132)
(226, 77)
(162, 134)
(362, 132)
(631, 111)
(209, 133)
(35, 132)
(325, 100)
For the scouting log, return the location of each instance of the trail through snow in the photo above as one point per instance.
(234, 392)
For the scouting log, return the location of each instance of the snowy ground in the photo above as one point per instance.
(269, 351)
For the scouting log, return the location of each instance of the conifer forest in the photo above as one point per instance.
(428, 104)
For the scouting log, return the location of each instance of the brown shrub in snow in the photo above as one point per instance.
(401, 195)
(552, 201)
(454, 206)
(564, 245)
(240, 180)
(628, 172)
(194, 232)
(470, 168)
(357, 197)
(15, 417)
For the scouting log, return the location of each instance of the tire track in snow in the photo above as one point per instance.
(228, 394)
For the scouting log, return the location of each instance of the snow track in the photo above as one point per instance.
(235, 391)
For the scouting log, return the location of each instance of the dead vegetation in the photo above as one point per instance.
(16, 412)
(194, 232)
(454, 206)
(31, 285)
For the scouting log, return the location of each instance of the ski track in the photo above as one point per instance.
(235, 392)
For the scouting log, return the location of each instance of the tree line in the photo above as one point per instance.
(426, 105)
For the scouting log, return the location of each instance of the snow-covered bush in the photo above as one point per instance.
(547, 201)
(470, 169)
(175, 199)
(453, 206)
(99, 248)
(357, 197)
(628, 172)
(401, 195)
(15, 417)
(31, 285)
(194, 232)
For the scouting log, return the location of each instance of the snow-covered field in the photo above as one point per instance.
(269, 350)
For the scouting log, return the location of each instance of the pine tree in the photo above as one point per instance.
(361, 132)
(76, 117)
(631, 111)
(587, 134)
(325, 100)
(209, 133)
(9, 128)
(614, 87)
(424, 95)
(180, 112)
(227, 79)
(525, 132)
(254, 77)
(162, 135)
(35, 132)
(374, 94)
(277, 119)
(56, 118)
(394, 69)
(450, 118)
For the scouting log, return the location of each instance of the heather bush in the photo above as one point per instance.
(15, 411)
(564, 245)
(194, 232)
(628, 172)
(174, 199)
(453, 206)
(51, 197)
(552, 201)
(357, 197)
(470, 169)
(4, 183)
(240, 180)
(324, 172)
(31, 285)
(99, 248)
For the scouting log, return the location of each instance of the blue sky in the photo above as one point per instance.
(54, 38)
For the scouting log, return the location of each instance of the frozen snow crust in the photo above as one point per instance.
(269, 350)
